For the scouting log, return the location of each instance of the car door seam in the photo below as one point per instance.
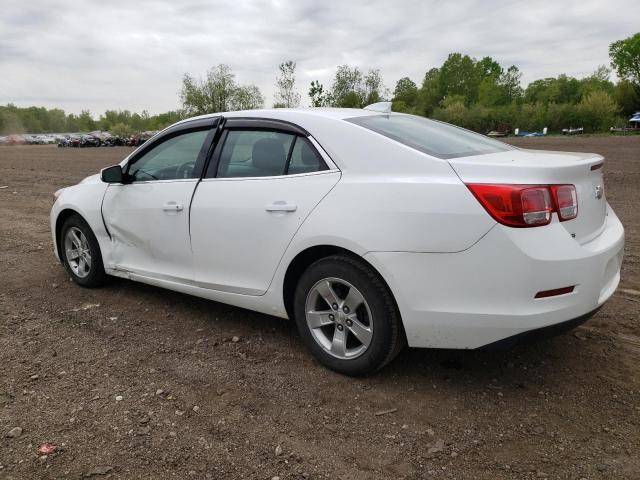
(296, 232)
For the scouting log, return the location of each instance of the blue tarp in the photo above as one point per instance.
(635, 117)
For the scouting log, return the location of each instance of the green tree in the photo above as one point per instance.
(346, 90)
(405, 95)
(429, 96)
(598, 111)
(406, 91)
(562, 89)
(247, 97)
(319, 98)
(453, 110)
(286, 95)
(86, 123)
(10, 121)
(121, 130)
(373, 88)
(459, 76)
(597, 81)
(510, 83)
(627, 97)
(625, 58)
(218, 92)
(352, 89)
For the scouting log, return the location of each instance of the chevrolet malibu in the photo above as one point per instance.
(371, 229)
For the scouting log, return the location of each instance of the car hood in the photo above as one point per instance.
(92, 179)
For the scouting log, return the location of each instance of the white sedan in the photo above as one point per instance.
(371, 229)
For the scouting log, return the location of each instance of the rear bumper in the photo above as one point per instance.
(486, 293)
(531, 336)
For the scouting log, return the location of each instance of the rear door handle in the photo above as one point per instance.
(281, 206)
(172, 207)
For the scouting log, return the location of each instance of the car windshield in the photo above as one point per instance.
(429, 136)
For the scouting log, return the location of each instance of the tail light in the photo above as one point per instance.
(526, 205)
(566, 200)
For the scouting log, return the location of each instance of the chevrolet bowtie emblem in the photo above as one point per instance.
(599, 191)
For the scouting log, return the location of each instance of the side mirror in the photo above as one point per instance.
(112, 174)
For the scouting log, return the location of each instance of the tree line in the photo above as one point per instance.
(479, 94)
(42, 120)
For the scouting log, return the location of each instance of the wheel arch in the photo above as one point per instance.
(62, 217)
(308, 256)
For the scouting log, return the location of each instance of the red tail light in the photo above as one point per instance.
(566, 200)
(526, 205)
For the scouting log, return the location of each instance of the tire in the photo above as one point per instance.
(85, 272)
(376, 319)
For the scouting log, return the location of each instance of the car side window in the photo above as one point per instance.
(266, 153)
(172, 159)
(254, 153)
(305, 158)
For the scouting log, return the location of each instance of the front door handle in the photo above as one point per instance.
(281, 206)
(172, 207)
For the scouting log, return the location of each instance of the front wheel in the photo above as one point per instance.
(347, 317)
(81, 253)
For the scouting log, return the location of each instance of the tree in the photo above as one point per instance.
(627, 96)
(218, 92)
(352, 89)
(625, 58)
(374, 89)
(346, 90)
(597, 81)
(429, 96)
(598, 111)
(10, 121)
(86, 123)
(121, 130)
(287, 96)
(460, 76)
(317, 94)
(405, 95)
(453, 110)
(406, 91)
(510, 82)
(563, 89)
(247, 97)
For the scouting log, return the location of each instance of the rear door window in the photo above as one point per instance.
(266, 153)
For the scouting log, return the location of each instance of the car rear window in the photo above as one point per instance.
(429, 136)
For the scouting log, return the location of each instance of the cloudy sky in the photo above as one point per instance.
(121, 54)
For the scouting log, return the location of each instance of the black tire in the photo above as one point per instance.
(96, 275)
(387, 337)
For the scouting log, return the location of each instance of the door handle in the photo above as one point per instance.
(281, 206)
(172, 207)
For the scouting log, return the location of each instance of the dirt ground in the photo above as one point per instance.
(132, 381)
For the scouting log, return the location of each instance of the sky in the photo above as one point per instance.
(121, 54)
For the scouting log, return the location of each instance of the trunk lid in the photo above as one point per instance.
(537, 167)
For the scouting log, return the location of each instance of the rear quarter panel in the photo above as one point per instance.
(391, 198)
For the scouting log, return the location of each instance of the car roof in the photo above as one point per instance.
(295, 115)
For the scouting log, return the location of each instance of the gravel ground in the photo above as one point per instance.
(131, 381)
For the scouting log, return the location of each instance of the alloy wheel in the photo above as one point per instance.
(77, 252)
(339, 318)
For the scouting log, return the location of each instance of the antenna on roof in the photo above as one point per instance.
(382, 107)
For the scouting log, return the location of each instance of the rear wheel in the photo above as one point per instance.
(347, 317)
(80, 253)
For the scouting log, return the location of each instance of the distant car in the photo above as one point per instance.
(45, 140)
(74, 141)
(369, 228)
(113, 141)
(89, 141)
